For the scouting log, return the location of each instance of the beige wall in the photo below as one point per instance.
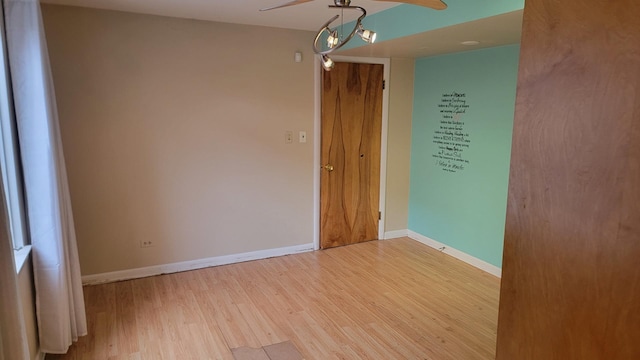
(399, 143)
(25, 288)
(173, 132)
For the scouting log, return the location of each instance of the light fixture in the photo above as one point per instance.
(327, 63)
(333, 39)
(366, 35)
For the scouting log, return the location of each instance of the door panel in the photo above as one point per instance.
(351, 139)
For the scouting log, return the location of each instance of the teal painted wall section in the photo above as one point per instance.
(404, 20)
(466, 208)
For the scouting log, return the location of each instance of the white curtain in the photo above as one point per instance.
(59, 299)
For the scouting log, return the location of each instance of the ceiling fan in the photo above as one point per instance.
(335, 40)
(433, 4)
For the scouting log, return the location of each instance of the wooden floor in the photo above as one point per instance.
(392, 299)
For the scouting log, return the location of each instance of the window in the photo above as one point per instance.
(9, 159)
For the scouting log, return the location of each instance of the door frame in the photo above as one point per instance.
(317, 68)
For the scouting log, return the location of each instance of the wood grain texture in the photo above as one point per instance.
(393, 299)
(351, 137)
(571, 280)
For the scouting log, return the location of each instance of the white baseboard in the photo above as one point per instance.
(396, 234)
(192, 265)
(39, 356)
(474, 261)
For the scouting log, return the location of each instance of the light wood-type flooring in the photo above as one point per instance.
(391, 299)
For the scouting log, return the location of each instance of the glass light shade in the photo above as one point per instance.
(327, 63)
(332, 39)
(367, 35)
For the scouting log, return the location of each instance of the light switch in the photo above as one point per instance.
(303, 137)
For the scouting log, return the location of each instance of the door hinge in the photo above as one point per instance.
(379, 215)
(384, 84)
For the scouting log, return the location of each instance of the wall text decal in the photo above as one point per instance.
(450, 137)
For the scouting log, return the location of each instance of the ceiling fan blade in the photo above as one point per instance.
(433, 4)
(290, 3)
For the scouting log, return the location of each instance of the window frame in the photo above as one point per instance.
(11, 168)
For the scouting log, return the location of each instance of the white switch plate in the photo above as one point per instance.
(303, 137)
(288, 137)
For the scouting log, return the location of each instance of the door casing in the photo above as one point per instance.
(317, 68)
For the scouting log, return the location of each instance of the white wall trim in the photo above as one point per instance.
(317, 93)
(396, 234)
(471, 260)
(386, 62)
(193, 264)
(39, 356)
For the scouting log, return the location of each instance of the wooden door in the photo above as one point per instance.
(351, 138)
(571, 269)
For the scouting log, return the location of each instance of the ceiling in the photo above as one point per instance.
(503, 29)
(493, 31)
(307, 16)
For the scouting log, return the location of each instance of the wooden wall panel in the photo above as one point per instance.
(571, 269)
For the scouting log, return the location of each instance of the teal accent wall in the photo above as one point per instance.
(404, 20)
(460, 149)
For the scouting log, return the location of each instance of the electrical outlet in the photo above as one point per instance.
(288, 137)
(146, 243)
